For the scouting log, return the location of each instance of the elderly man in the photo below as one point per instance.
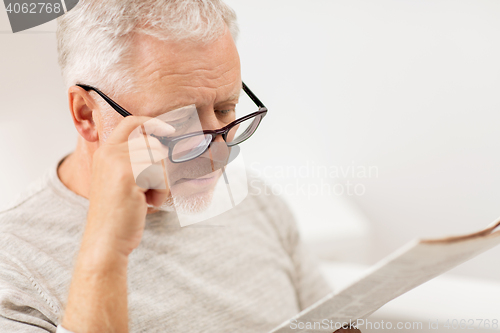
(85, 249)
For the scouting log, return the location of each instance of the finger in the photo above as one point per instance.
(153, 126)
(144, 152)
(147, 149)
(143, 146)
(152, 177)
(130, 128)
(138, 143)
(157, 127)
(156, 197)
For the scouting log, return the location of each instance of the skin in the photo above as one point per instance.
(171, 75)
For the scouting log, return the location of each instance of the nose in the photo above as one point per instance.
(212, 123)
(218, 151)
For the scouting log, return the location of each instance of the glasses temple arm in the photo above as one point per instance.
(125, 113)
(252, 96)
(113, 104)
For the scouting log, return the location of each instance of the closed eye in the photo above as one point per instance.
(225, 113)
(225, 116)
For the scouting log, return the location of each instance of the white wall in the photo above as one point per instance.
(411, 87)
(35, 126)
(408, 87)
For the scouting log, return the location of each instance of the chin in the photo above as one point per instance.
(189, 205)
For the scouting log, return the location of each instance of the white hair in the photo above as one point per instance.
(95, 38)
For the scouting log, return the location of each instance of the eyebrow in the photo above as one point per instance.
(233, 97)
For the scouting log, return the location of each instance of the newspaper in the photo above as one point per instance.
(415, 263)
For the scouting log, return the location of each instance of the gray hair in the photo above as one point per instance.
(95, 38)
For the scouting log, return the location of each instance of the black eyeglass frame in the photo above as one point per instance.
(170, 142)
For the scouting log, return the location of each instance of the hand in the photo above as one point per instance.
(97, 300)
(118, 206)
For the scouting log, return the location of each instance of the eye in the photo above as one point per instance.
(225, 113)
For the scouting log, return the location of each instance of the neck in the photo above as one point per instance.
(76, 170)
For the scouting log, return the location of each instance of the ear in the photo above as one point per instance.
(81, 106)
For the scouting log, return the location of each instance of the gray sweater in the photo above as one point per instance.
(249, 274)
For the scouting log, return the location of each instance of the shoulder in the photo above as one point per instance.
(273, 210)
(262, 195)
(18, 208)
(20, 223)
(43, 203)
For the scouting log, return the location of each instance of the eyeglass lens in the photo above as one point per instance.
(193, 147)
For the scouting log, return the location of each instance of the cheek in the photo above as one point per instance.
(106, 122)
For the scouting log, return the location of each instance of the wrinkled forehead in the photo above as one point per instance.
(175, 74)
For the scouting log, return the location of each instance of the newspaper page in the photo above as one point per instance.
(412, 265)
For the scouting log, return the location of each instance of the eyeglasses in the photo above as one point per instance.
(189, 146)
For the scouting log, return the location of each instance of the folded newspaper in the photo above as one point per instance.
(412, 265)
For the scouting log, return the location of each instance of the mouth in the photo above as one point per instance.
(198, 182)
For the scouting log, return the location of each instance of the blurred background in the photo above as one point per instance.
(382, 123)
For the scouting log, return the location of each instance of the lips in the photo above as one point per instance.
(197, 181)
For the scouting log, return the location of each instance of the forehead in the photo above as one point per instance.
(174, 74)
